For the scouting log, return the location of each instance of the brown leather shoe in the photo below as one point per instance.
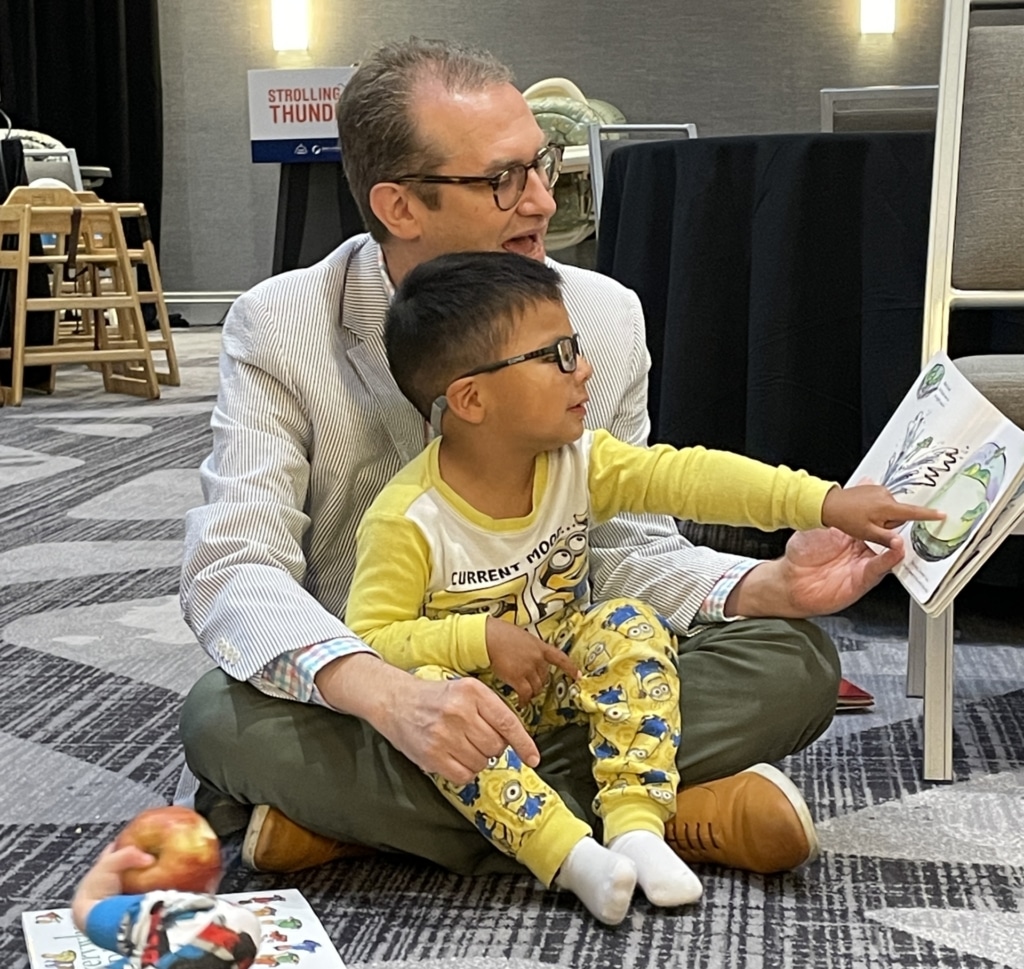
(276, 843)
(755, 820)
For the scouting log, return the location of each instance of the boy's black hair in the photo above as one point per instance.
(457, 312)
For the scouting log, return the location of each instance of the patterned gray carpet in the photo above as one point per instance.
(94, 659)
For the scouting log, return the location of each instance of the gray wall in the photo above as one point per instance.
(732, 66)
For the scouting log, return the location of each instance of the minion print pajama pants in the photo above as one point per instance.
(629, 695)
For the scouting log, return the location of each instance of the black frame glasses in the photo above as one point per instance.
(507, 186)
(565, 352)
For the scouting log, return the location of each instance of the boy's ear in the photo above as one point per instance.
(465, 401)
(394, 206)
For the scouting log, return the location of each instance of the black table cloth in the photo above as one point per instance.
(782, 278)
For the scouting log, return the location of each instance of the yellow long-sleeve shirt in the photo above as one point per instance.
(430, 568)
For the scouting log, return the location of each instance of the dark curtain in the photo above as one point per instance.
(87, 72)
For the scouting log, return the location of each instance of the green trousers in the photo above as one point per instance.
(750, 691)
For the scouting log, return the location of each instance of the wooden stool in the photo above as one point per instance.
(14, 223)
(152, 293)
(97, 316)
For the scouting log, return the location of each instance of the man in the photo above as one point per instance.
(443, 154)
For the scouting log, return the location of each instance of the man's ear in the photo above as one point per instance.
(394, 206)
(465, 400)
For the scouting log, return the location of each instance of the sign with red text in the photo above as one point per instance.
(291, 113)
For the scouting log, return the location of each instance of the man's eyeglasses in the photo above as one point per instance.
(565, 352)
(507, 186)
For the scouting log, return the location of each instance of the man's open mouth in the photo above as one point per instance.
(529, 244)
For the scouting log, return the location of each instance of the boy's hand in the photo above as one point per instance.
(104, 879)
(522, 660)
(869, 512)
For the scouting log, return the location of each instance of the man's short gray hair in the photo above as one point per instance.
(379, 141)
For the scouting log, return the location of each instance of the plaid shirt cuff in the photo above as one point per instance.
(293, 675)
(713, 607)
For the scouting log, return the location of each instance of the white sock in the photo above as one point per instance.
(601, 879)
(665, 878)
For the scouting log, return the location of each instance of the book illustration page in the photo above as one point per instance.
(54, 943)
(946, 447)
(965, 497)
(994, 532)
(919, 462)
(292, 936)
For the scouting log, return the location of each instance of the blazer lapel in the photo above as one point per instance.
(364, 303)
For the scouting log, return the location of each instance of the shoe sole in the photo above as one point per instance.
(796, 799)
(252, 835)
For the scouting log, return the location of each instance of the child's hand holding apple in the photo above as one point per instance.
(169, 848)
(185, 852)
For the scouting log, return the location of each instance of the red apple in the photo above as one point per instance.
(186, 850)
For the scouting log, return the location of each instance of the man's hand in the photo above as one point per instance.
(449, 727)
(523, 660)
(453, 727)
(104, 879)
(869, 512)
(821, 572)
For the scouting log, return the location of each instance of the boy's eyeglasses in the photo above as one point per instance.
(565, 352)
(507, 186)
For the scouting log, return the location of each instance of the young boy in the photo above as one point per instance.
(473, 560)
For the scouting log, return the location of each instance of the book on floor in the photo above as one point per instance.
(948, 447)
(292, 935)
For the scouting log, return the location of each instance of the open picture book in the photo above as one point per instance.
(948, 447)
(292, 935)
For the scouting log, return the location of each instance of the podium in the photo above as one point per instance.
(292, 121)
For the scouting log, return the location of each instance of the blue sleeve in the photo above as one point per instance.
(106, 916)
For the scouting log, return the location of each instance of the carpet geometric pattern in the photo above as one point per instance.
(95, 660)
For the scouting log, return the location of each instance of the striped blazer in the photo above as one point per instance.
(308, 427)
